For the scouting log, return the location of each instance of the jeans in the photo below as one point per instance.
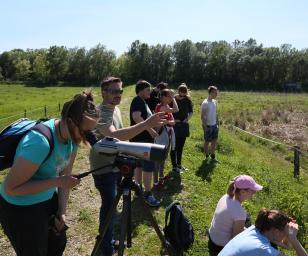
(107, 187)
(176, 155)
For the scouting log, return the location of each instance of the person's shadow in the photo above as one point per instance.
(205, 170)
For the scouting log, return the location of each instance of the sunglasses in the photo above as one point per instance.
(114, 91)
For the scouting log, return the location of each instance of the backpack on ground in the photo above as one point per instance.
(11, 135)
(178, 230)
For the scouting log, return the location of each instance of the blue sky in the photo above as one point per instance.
(116, 24)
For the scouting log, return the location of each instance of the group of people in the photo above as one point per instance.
(152, 114)
(231, 232)
(34, 195)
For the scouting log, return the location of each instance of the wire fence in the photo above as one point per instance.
(296, 149)
(37, 113)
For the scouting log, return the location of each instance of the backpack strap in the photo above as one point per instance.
(168, 209)
(46, 131)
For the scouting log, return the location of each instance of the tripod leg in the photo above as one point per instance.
(124, 219)
(129, 221)
(96, 249)
(152, 220)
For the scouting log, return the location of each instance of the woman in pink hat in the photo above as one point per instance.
(229, 217)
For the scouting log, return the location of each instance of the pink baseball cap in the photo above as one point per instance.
(245, 181)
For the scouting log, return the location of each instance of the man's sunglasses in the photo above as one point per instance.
(114, 91)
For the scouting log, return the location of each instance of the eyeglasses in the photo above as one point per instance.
(114, 91)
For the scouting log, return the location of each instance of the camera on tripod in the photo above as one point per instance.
(127, 153)
(126, 165)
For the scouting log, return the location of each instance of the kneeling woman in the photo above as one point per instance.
(229, 217)
(33, 196)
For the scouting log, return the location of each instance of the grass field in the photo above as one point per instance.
(200, 188)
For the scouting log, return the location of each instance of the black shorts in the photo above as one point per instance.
(146, 165)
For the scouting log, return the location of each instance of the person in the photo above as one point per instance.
(166, 134)
(154, 98)
(110, 124)
(34, 194)
(210, 122)
(139, 111)
(181, 128)
(229, 217)
(272, 228)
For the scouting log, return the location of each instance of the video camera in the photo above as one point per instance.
(127, 153)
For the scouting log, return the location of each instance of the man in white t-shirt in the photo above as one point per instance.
(210, 122)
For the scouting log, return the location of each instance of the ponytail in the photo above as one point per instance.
(231, 190)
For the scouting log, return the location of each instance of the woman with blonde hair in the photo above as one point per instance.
(229, 217)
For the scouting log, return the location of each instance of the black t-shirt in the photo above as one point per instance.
(139, 105)
(153, 100)
(185, 106)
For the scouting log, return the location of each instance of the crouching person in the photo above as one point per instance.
(34, 195)
(272, 228)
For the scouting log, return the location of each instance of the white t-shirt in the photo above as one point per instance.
(228, 211)
(209, 111)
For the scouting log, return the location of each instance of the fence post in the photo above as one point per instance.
(45, 110)
(296, 161)
(25, 113)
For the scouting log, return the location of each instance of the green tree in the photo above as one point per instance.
(57, 63)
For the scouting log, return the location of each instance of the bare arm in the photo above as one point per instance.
(291, 230)
(138, 119)
(132, 131)
(238, 227)
(63, 193)
(175, 107)
(18, 180)
(203, 115)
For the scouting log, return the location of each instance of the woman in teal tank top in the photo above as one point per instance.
(34, 195)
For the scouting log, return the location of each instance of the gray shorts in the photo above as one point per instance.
(210, 132)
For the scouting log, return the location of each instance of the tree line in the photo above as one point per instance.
(240, 65)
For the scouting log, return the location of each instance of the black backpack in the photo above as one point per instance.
(178, 230)
(11, 135)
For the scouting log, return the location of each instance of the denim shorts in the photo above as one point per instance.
(210, 132)
(146, 165)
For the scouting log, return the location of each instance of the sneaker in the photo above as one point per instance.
(151, 200)
(183, 168)
(177, 170)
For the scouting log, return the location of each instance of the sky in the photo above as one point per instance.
(116, 24)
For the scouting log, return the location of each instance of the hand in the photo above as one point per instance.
(167, 109)
(291, 230)
(155, 120)
(60, 222)
(67, 181)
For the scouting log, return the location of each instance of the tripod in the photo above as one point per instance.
(124, 189)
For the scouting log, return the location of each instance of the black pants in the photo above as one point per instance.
(176, 154)
(28, 229)
(214, 249)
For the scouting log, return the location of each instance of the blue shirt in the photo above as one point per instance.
(34, 147)
(250, 242)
